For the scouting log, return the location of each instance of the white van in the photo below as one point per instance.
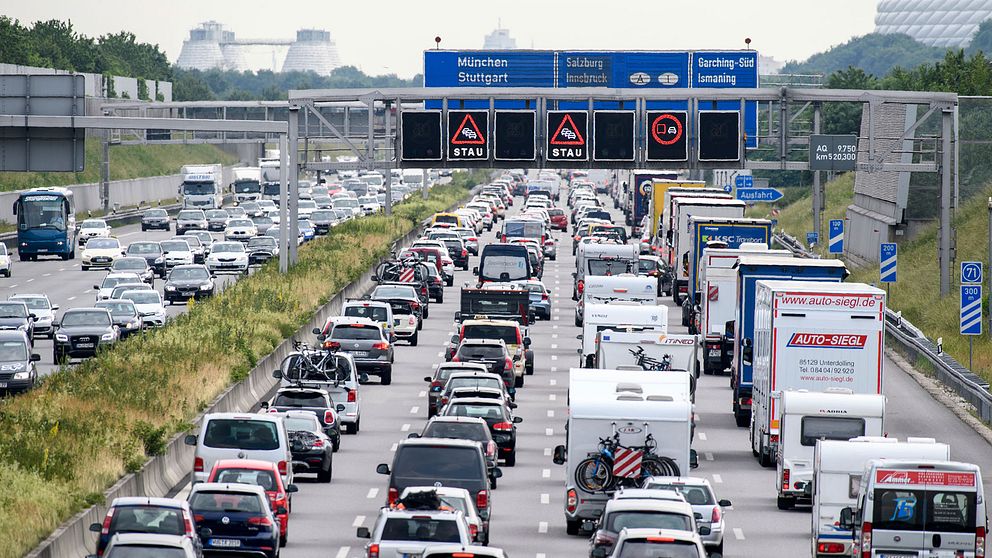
(837, 469)
(808, 416)
(601, 289)
(240, 436)
(619, 316)
(919, 508)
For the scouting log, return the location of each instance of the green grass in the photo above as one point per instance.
(64, 443)
(126, 161)
(917, 293)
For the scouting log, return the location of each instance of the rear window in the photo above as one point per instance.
(456, 383)
(480, 351)
(694, 495)
(509, 334)
(458, 430)
(421, 529)
(504, 263)
(376, 313)
(446, 219)
(830, 428)
(606, 267)
(645, 548)
(553, 212)
(246, 434)
(147, 519)
(523, 229)
(146, 551)
(478, 410)
(299, 399)
(356, 332)
(226, 502)
(265, 479)
(439, 462)
(945, 511)
(621, 520)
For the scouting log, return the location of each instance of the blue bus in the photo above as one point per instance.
(46, 223)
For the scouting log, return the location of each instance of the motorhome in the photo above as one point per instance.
(620, 317)
(602, 289)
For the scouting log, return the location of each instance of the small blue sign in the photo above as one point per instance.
(744, 181)
(971, 272)
(971, 309)
(759, 195)
(727, 188)
(836, 236)
(774, 223)
(812, 238)
(888, 255)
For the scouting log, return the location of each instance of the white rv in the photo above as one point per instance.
(602, 289)
(622, 350)
(619, 316)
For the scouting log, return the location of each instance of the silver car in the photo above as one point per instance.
(699, 494)
(44, 311)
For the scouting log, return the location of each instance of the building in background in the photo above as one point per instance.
(940, 23)
(499, 39)
(211, 46)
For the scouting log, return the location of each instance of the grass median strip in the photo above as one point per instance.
(64, 443)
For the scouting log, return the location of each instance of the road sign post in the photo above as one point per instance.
(888, 256)
(836, 242)
(971, 315)
(971, 272)
(812, 238)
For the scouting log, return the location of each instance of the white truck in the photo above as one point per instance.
(601, 289)
(620, 350)
(808, 416)
(837, 469)
(271, 181)
(602, 258)
(247, 185)
(666, 213)
(627, 406)
(619, 317)
(202, 186)
(810, 335)
(680, 247)
(718, 303)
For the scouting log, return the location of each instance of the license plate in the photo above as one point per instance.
(225, 543)
(714, 352)
(3, 385)
(411, 555)
(84, 345)
(360, 353)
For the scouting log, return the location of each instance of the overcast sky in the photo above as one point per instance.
(388, 36)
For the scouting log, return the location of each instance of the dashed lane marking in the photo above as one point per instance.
(551, 413)
(708, 456)
(359, 520)
(547, 452)
(405, 428)
(554, 357)
(14, 286)
(393, 448)
(554, 368)
(717, 478)
(422, 394)
(738, 533)
(414, 410)
(542, 527)
(71, 298)
(549, 431)
(554, 336)
(46, 274)
(343, 552)
(702, 436)
(440, 354)
(373, 492)
(545, 498)
(552, 382)
(552, 396)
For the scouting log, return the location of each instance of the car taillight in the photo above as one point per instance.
(464, 253)
(785, 479)
(507, 364)
(473, 239)
(381, 346)
(502, 238)
(571, 502)
(473, 531)
(581, 286)
(455, 359)
(503, 426)
(745, 401)
(979, 542)
(352, 396)
(604, 538)
(263, 521)
(198, 517)
(415, 305)
(374, 550)
(188, 524)
(716, 515)
(773, 438)
(413, 321)
(829, 548)
(393, 496)
(491, 448)
(106, 522)
(544, 296)
(328, 417)
(482, 500)
(317, 443)
(198, 464)
(866, 540)
(332, 345)
(283, 468)
(423, 290)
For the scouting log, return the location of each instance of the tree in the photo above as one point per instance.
(845, 118)
(874, 53)
(982, 41)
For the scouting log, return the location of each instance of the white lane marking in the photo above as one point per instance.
(554, 345)
(14, 286)
(71, 298)
(554, 357)
(129, 234)
(539, 555)
(738, 533)
(717, 478)
(554, 368)
(552, 396)
(343, 552)
(554, 326)
(405, 428)
(551, 413)
(61, 269)
(557, 318)
(440, 354)
(422, 394)
(549, 431)
(393, 448)
(359, 520)
(542, 527)
(547, 452)
(373, 492)
(545, 498)
(708, 456)
(702, 436)
(554, 336)
(414, 410)
(552, 382)
(557, 282)
(46, 274)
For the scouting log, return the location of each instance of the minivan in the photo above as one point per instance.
(240, 436)
(504, 262)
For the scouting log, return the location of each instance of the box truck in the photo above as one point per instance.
(680, 249)
(202, 186)
(750, 269)
(810, 335)
(630, 409)
(808, 416)
(666, 225)
(641, 195)
(247, 185)
(659, 193)
(837, 469)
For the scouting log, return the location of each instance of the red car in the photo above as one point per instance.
(558, 218)
(259, 473)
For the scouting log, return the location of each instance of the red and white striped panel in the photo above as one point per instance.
(407, 275)
(713, 293)
(627, 463)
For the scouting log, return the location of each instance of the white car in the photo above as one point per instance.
(101, 252)
(240, 229)
(227, 257)
(177, 252)
(149, 306)
(43, 310)
(369, 204)
(305, 208)
(348, 204)
(457, 499)
(104, 289)
(4, 260)
(268, 207)
(93, 228)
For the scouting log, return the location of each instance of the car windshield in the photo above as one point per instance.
(646, 265)
(262, 220)
(103, 244)
(458, 430)
(157, 213)
(297, 424)
(93, 225)
(82, 319)
(299, 399)
(438, 462)
(240, 223)
(216, 214)
(374, 313)
(230, 502)
(227, 247)
(259, 242)
(478, 410)
(307, 204)
(472, 382)
(192, 215)
(189, 274)
(111, 281)
(175, 246)
(357, 332)
(129, 264)
(480, 351)
(323, 215)
(643, 548)
(244, 433)
(13, 350)
(192, 241)
(345, 203)
(394, 292)
(119, 309)
(265, 479)
(509, 334)
(618, 521)
(34, 302)
(13, 310)
(148, 519)
(830, 428)
(142, 297)
(421, 529)
(124, 287)
(144, 248)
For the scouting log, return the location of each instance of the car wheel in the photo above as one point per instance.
(518, 381)
(511, 459)
(427, 313)
(440, 297)
(283, 539)
(325, 476)
(143, 228)
(415, 338)
(336, 443)
(578, 322)
(450, 281)
(529, 362)
(572, 527)
(420, 325)
(386, 376)
(85, 268)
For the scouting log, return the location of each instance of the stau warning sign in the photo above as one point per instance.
(468, 135)
(567, 133)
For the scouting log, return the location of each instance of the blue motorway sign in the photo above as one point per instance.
(730, 69)
(888, 256)
(744, 181)
(759, 195)
(836, 243)
(971, 309)
(727, 188)
(513, 68)
(971, 272)
(812, 238)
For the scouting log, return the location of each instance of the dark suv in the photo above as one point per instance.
(160, 516)
(17, 368)
(82, 331)
(464, 428)
(492, 353)
(365, 340)
(496, 413)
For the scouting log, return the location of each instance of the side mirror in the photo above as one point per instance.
(316, 331)
(725, 504)
(598, 552)
(475, 270)
(698, 516)
(413, 435)
(428, 379)
(206, 533)
(517, 420)
(35, 357)
(277, 374)
(34, 317)
(697, 308)
(526, 341)
(847, 518)
(281, 511)
(704, 530)
(96, 287)
(458, 318)
(190, 440)
(263, 405)
(497, 473)
(363, 533)
(55, 307)
(559, 455)
(340, 407)
(513, 405)
(455, 339)
(579, 337)
(321, 337)
(96, 527)
(693, 459)
(292, 488)
(382, 469)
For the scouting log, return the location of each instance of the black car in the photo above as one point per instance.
(216, 219)
(155, 219)
(124, 314)
(502, 425)
(152, 252)
(404, 299)
(457, 251)
(14, 314)
(82, 331)
(493, 354)
(261, 249)
(464, 428)
(136, 265)
(311, 448)
(188, 281)
(435, 284)
(17, 368)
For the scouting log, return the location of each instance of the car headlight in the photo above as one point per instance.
(107, 337)
(61, 337)
(159, 259)
(170, 288)
(22, 327)
(134, 324)
(22, 375)
(206, 287)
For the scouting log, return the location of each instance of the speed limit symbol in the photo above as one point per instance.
(666, 136)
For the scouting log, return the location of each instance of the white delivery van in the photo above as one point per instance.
(602, 258)
(919, 508)
(628, 406)
(247, 185)
(620, 350)
(808, 416)
(600, 289)
(718, 303)
(680, 248)
(619, 316)
(811, 335)
(837, 469)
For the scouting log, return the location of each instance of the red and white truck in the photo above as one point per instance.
(813, 336)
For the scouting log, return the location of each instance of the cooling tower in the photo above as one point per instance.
(313, 51)
(202, 50)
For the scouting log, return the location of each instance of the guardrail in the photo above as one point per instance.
(969, 386)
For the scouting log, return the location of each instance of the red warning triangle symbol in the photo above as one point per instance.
(467, 133)
(568, 133)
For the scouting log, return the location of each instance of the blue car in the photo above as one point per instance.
(235, 519)
(307, 229)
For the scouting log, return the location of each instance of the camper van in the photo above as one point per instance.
(600, 289)
(618, 316)
(621, 350)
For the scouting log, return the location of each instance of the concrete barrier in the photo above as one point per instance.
(162, 473)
